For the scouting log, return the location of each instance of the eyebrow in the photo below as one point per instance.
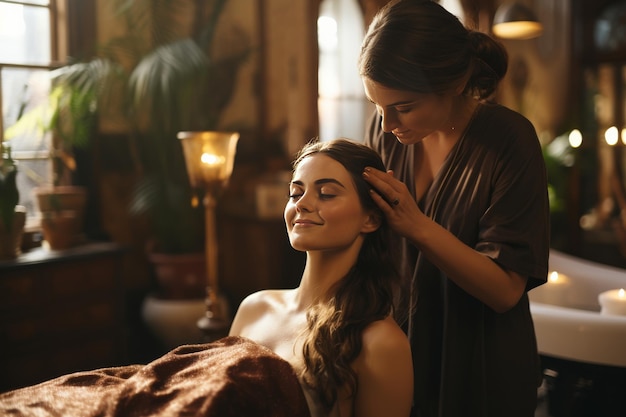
(397, 103)
(321, 181)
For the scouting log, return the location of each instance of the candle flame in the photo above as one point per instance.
(211, 159)
(621, 293)
(554, 276)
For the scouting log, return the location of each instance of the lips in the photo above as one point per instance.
(400, 134)
(304, 222)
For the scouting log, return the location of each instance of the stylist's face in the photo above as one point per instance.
(408, 115)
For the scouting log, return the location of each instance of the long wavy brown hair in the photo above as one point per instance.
(333, 338)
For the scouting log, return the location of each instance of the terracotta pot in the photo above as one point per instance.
(11, 241)
(65, 197)
(62, 215)
(62, 229)
(180, 276)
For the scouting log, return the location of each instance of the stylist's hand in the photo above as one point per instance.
(394, 199)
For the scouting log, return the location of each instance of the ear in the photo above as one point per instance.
(372, 222)
(462, 84)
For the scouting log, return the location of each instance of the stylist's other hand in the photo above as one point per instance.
(394, 199)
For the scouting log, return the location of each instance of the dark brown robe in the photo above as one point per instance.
(491, 193)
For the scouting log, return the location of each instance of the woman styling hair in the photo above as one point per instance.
(469, 200)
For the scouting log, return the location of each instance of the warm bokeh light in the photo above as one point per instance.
(611, 135)
(554, 276)
(575, 138)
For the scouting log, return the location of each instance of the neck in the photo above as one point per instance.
(323, 269)
(461, 115)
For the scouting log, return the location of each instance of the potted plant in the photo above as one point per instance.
(12, 215)
(177, 82)
(168, 76)
(69, 117)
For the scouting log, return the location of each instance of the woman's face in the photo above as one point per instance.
(324, 212)
(410, 116)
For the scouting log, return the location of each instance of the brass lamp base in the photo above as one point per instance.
(214, 324)
(213, 328)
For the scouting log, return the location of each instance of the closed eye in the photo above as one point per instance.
(404, 109)
(322, 196)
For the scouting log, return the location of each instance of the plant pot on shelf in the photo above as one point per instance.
(172, 313)
(173, 322)
(62, 214)
(11, 238)
(180, 276)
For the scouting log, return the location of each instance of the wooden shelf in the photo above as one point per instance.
(60, 312)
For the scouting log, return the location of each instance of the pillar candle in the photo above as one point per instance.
(613, 302)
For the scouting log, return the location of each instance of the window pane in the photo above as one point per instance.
(22, 91)
(609, 33)
(30, 175)
(24, 34)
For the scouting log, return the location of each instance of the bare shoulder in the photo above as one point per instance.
(255, 306)
(385, 336)
(386, 348)
(265, 299)
(385, 372)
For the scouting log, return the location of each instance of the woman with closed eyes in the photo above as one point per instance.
(337, 328)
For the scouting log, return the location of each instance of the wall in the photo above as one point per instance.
(274, 107)
(538, 80)
(289, 31)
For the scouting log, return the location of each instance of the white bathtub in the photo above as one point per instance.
(567, 317)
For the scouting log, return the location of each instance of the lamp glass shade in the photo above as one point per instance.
(516, 21)
(209, 156)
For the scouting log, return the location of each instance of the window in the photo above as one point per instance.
(29, 46)
(343, 108)
(342, 105)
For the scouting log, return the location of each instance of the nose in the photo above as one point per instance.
(388, 120)
(304, 203)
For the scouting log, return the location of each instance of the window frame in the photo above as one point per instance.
(58, 42)
(72, 33)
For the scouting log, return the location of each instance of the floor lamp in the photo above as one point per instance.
(210, 157)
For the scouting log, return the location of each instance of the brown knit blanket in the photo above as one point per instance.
(230, 377)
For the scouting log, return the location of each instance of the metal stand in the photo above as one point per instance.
(215, 323)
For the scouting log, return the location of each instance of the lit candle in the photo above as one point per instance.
(613, 302)
(554, 291)
(557, 279)
(212, 167)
